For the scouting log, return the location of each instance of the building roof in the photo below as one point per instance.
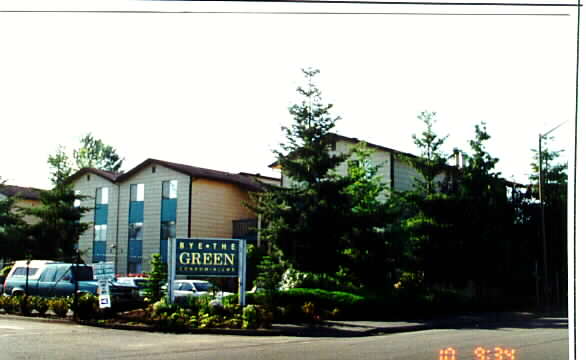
(270, 178)
(193, 171)
(108, 175)
(197, 172)
(27, 193)
(356, 141)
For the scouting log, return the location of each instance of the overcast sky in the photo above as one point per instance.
(213, 90)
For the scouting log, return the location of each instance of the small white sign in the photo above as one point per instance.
(104, 270)
(104, 301)
(103, 287)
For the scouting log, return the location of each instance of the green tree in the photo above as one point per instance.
(12, 229)
(57, 233)
(424, 229)
(555, 202)
(432, 160)
(60, 166)
(303, 220)
(484, 214)
(369, 257)
(93, 153)
(156, 278)
(323, 221)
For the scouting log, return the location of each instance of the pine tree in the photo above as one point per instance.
(12, 229)
(305, 220)
(57, 233)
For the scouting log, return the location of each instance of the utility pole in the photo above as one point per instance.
(546, 289)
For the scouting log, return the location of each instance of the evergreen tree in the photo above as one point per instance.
(424, 207)
(432, 160)
(60, 166)
(57, 233)
(303, 220)
(555, 203)
(325, 222)
(12, 229)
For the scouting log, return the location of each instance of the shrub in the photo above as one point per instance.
(41, 305)
(60, 306)
(3, 301)
(156, 279)
(25, 305)
(12, 305)
(210, 321)
(311, 313)
(87, 306)
(338, 282)
(348, 305)
(250, 318)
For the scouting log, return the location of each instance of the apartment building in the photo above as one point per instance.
(395, 171)
(135, 213)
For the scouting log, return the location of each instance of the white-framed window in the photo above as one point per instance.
(102, 196)
(170, 189)
(135, 231)
(137, 192)
(100, 232)
(77, 202)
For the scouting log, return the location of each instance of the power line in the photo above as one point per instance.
(278, 13)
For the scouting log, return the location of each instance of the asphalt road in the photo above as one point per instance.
(541, 339)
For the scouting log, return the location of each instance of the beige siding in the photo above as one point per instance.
(87, 187)
(404, 174)
(153, 184)
(214, 206)
(27, 204)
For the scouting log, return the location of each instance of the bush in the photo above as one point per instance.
(11, 304)
(2, 301)
(156, 279)
(346, 305)
(87, 306)
(60, 306)
(41, 305)
(250, 317)
(295, 279)
(25, 305)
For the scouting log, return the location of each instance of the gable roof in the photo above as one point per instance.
(195, 172)
(27, 193)
(336, 137)
(108, 175)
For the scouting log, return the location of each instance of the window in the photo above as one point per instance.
(167, 230)
(170, 189)
(77, 202)
(102, 196)
(135, 231)
(137, 192)
(100, 232)
(186, 287)
(21, 271)
(134, 267)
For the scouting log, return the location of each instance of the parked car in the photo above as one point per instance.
(138, 283)
(184, 288)
(52, 279)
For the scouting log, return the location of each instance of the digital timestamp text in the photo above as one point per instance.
(480, 353)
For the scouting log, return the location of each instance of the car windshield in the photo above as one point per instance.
(203, 286)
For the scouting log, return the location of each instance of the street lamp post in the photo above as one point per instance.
(546, 289)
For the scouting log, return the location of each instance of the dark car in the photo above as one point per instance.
(53, 279)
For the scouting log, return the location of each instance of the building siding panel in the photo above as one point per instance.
(214, 206)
